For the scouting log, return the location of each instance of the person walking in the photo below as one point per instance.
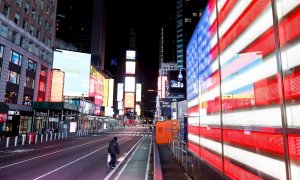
(113, 149)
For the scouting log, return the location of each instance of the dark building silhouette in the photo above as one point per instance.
(188, 13)
(82, 23)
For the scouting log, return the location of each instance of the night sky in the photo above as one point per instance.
(145, 17)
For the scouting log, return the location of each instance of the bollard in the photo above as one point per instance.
(36, 138)
(42, 136)
(16, 141)
(29, 139)
(51, 136)
(55, 136)
(23, 139)
(59, 136)
(47, 137)
(7, 141)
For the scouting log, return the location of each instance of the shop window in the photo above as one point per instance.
(13, 77)
(16, 58)
(31, 65)
(11, 97)
(27, 100)
(25, 124)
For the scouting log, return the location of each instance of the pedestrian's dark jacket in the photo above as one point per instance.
(113, 147)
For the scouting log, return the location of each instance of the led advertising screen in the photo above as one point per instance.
(110, 92)
(176, 86)
(162, 86)
(130, 54)
(129, 100)
(77, 69)
(105, 92)
(242, 88)
(96, 86)
(129, 84)
(57, 86)
(120, 92)
(138, 96)
(130, 67)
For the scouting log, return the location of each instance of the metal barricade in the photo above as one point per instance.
(180, 152)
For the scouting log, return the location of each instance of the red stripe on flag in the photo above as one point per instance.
(231, 170)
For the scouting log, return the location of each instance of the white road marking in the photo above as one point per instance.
(147, 170)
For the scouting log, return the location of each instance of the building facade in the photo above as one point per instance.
(243, 90)
(188, 13)
(26, 37)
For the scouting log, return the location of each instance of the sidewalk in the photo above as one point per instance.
(171, 169)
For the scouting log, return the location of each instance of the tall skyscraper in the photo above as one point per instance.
(188, 13)
(76, 23)
(26, 56)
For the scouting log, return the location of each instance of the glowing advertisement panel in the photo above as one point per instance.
(138, 96)
(110, 92)
(77, 69)
(120, 91)
(130, 55)
(96, 86)
(129, 100)
(129, 84)
(57, 86)
(130, 67)
(234, 100)
(105, 92)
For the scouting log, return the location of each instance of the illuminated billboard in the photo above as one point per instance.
(76, 66)
(96, 89)
(57, 86)
(162, 86)
(120, 92)
(130, 54)
(243, 76)
(105, 92)
(129, 100)
(130, 67)
(129, 84)
(110, 92)
(176, 87)
(138, 96)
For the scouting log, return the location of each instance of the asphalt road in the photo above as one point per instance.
(81, 158)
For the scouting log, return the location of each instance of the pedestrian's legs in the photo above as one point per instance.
(113, 160)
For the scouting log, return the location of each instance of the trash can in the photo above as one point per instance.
(32, 137)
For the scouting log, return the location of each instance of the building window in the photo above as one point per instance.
(30, 47)
(37, 35)
(27, 100)
(17, 17)
(19, 2)
(24, 25)
(29, 82)
(26, 9)
(22, 41)
(187, 20)
(47, 25)
(16, 58)
(31, 30)
(1, 52)
(13, 77)
(4, 30)
(5, 10)
(33, 14)
(40, 19)
(41, 4)
(31, 65)
(11, 97)
(14, 37)
(195, 14)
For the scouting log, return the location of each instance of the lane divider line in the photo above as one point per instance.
(148, 164)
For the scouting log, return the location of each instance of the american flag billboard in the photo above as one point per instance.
(243, 88)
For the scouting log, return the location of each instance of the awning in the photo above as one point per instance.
(3, 107)
(54, 106)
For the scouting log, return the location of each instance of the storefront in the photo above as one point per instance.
(54, 116)
(3, 118)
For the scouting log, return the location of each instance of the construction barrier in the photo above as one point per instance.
(166, 131)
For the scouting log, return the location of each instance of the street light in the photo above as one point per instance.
(180, 76)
